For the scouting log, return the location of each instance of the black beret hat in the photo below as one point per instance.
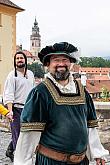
(58, 48)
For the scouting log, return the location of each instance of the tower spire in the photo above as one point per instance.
(35, 23)
(35, 39)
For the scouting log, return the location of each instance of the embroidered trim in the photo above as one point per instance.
(62, 99)
(32, 126)
(92, 123)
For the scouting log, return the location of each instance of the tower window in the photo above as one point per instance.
(36, 44)
(0, 52)
(0, 20)
(0, 88)
(32, 43)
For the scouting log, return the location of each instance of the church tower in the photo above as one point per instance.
(35, 40)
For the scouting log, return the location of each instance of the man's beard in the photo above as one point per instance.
(21, 65)
(61, 75)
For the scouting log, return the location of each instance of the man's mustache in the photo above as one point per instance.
(61, 67)
(20, 62)
(57, 67)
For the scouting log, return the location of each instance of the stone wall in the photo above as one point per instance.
(103, 114)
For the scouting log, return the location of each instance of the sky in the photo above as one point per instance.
(83, 23)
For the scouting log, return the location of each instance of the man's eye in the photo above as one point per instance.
(19, 58)
(56, 60)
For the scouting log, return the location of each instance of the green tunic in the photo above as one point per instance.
(62, 118)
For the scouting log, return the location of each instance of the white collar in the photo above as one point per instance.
(69, 88)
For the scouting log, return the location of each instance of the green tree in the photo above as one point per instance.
(37, 69)
(105, 93)
(94, 62)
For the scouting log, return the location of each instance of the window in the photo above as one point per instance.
(0, 89)
(0, 20)
(0, 52)
(32, 43)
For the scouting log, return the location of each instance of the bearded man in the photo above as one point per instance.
(19, 83)
(59, 119)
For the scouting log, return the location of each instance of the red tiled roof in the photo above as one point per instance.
(94, 70)
(99, 77)
(94, 86)
(28, 54)
(10, 4)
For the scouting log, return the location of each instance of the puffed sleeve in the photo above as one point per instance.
(91, 112)
(9, 89)
(34, 115)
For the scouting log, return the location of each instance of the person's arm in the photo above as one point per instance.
(3, 110)
(8, 93)
(9, 89)
(97, 151)
(9, 107)
(26, 146)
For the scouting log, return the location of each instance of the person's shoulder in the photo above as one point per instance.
(30, 72)
(11, 74)
(40, 87)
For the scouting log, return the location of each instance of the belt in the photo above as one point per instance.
(18, 105)
(69, 158)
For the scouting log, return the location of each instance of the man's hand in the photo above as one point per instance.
(100, 161)
(10, 116)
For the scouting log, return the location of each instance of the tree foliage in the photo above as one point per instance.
(105, 93)
(37, 69)
(94, 62)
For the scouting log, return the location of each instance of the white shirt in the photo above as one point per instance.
(16, 89)
(69, 88)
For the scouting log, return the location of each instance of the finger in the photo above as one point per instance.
(97, 161)
(102, 162)
(11, 120)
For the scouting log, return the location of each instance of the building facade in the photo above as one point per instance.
(8, 11)
(96, 80)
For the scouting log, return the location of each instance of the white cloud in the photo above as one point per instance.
(85, 23)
